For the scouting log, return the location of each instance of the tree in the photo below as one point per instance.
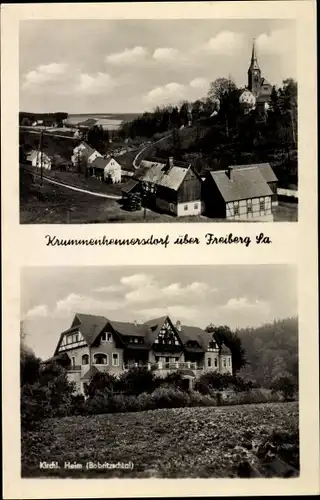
(223, 335)
(176, 143)
(98, 138)
(284, 384)
(219, 87)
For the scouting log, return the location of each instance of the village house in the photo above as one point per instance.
(95, 343)
(84, 154)
(36, 158)
(238, 194)
(175, 186)
(106, 169)
(268, 175)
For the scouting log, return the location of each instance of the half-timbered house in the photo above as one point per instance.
(238, 194)
(95, 343)
(268, 175)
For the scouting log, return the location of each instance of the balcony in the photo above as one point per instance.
(160, 365)
(74, 368)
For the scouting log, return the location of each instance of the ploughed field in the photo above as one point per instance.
(234, 441)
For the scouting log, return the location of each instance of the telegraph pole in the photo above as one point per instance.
(41, 157)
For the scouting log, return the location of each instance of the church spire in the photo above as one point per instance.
(254, 60)
(254, 73)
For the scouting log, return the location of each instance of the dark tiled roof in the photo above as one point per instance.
(162, 175)
(100, 163)
(129, 328)
(129, 186)
(244, 184)
(265, 169)
(91, 326)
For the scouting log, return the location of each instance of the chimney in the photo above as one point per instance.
(178, 326)
(170, 161)
(230, 173)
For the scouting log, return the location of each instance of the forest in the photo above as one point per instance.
(218, 130)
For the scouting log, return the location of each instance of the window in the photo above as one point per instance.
(176, 359)
(209, 362)
(224, 363)
(186, 207)
(135, 340)
(73, 361)
(261, 204)
(100, 359)
(249, 206)
(229, 360)
(196, 205)
(167, 360)
(115, 359)
(85, 359)
(104, 337)
(109, 337)
(156, 358)
(215, 362)
(236, 209)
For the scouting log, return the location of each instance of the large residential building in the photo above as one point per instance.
(95, 343)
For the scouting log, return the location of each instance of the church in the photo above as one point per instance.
(258, 91)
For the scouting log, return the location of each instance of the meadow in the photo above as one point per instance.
(256, 440)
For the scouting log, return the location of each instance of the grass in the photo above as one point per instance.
(181, 442)
(89, 183)
(52, 204)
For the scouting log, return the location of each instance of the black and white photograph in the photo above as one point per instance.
(159, 120)
(159, 372)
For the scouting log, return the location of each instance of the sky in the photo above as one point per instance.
(233, 295)
(130, 66)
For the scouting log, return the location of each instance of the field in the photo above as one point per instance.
(169, 443)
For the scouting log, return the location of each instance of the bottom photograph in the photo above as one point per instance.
(159, 372)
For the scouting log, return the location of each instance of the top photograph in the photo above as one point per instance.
(172, 120)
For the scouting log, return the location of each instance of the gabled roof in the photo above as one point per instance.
(188, 333)
(162, 175)
(129, 186)
(265, 169)
(129, 329)
(91, 326)
(90, 373)
(246, 183)
(88, 148)
(100, 163)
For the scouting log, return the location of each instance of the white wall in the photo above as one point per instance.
(113, 169)
(189, 208)
(255, 214)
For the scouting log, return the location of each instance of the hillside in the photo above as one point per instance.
(271, 350)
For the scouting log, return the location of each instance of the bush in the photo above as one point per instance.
(136, 381)
(165, 397)
(252, 396)
(174, 380)
(100, 382)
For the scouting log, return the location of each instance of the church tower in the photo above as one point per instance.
(254, 73)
